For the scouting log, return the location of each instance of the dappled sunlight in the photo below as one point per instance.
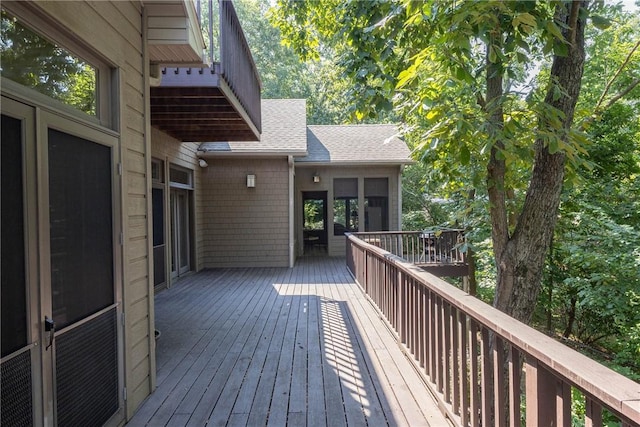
(340, 354)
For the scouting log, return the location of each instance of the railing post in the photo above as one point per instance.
(540, 395)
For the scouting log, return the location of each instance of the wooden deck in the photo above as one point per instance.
(279, 346)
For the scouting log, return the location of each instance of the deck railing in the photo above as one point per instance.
(236, 63)
(441, 252)
(229, 53)
(483, 366)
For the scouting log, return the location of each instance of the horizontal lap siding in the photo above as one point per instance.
(240, 226)
(114, 31)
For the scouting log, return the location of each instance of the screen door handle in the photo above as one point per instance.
(49, 326)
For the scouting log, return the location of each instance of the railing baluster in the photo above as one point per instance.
(593, 413)
(486, 387)
(540, 394)
(455, 361)
(499, 409)
(515, 377)
(438, 350)
(446, 338)
(423, 324)
(563, 404)
(463, 356)
(474, 368)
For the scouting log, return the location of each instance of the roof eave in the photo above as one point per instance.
(210, 154)
(357, 163)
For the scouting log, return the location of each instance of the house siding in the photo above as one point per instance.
(304, 182)
(114, 31)
(240, 226)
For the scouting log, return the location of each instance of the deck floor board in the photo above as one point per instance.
(278, 347)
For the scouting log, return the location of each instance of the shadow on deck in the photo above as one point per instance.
(279, 346)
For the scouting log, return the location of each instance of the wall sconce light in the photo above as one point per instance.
(203, 163)
(251, 181)
(316, 178)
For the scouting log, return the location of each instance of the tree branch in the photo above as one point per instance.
(615, 76)
(573, 21)
(613, 100)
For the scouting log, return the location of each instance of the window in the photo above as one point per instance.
(37, 63)
(376, 204)
(345, 205)
(180, 177)
(157, 171)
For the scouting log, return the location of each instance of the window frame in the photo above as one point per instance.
(31, 17)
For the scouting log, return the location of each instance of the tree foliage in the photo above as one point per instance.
(500, 118)
(37, 63)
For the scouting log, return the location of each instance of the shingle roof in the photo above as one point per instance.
(285, 132)
(353, 144)
(284, 124)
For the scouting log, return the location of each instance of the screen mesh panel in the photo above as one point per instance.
(87, 372)
(13, 296)
(15, 391)
(80, 209)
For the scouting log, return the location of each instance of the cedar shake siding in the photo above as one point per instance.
(240, 226)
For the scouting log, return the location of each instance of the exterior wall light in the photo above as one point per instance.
(251, 181)
(203, 163)
(316, 178)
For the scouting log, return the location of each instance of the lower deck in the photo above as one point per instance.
(280, 346)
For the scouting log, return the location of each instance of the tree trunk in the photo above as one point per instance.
(520, 257)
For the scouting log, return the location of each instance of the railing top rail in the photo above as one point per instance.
(418, 232)
(614, 390)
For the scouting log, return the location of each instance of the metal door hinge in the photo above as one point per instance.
(122, 238)
(120, 169)
(122, 317)
(124, 393)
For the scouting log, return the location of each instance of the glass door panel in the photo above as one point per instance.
(157, 196)
(183, 224)
(180, 232)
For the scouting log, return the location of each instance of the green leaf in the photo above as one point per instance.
(526, 21)
(561, 49)
(465, 155)
(600, 22)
